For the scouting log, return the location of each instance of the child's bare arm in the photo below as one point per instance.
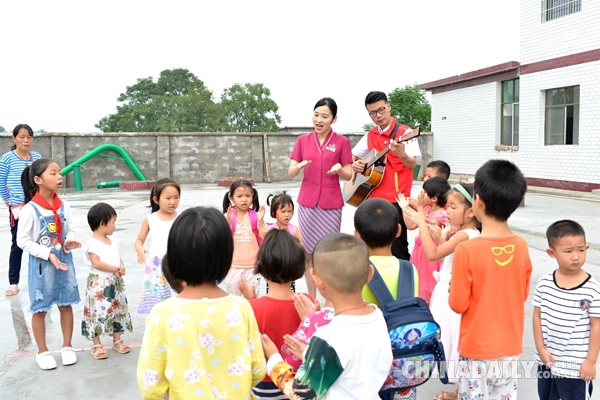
(139, 242)
(587, 372)
(538, 338)
(432, 251)
(102, 266)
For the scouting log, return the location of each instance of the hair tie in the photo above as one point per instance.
(464, 192)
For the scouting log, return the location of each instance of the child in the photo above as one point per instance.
(282, 209)
(202, 342)
(460, 214)
(313, 317)
(351, 356)
(246, 218)
(46, 233)
(105, 309)
(281, 260)
(490, 284)
(164, 200)
(566, 318)
(376, 223)
(437, 168)
(430, 205)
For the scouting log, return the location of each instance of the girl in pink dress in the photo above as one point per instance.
(430, 204)
(462, 219)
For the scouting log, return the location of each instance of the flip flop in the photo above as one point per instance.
(12, 290)
(99, 354)
(122, 349)
(443, 395)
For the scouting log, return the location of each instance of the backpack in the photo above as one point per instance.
(253, 223)
(414, 334)
(291, 228)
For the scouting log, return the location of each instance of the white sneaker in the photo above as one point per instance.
(45, 360)
(68, 356)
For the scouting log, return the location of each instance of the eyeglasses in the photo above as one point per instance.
(374, 113)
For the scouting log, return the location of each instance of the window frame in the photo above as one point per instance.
(554, 9)
(513, 101)
(572, 107)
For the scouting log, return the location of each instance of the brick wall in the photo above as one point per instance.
(466, 127)
(570, 34)
(570, 162)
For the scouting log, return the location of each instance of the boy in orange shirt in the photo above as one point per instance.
(490, 284)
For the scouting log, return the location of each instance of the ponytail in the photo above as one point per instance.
(37, 168)
(255, 203)
(29, 186)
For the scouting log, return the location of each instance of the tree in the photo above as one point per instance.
(410, 107)
(42, 130)
(2, 130)
(368, 127)
(249, 108)
(177, 102)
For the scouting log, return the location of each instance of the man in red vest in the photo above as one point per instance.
(399, 161)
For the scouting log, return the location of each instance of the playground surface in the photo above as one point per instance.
(115, 377)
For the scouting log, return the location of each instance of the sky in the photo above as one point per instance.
(64, 63)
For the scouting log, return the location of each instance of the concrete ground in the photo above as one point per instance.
(114, 378)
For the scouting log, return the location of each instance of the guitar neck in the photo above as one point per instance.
(416, 132)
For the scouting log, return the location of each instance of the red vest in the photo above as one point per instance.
(396, 178)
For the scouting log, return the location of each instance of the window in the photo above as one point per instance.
(552, 9)
(562, 116)
(510, 113)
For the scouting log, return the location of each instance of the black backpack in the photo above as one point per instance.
(414, 335)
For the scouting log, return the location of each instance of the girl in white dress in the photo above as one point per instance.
(164, 200)
(105, 310)
(460, 217)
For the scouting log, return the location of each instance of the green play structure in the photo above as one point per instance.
(75, 166)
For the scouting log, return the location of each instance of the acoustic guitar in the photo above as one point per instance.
(357, 189)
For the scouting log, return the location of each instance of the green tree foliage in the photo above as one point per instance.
(249, 108)
(180, 102)
(2, 130)
(177, 102)
(368, 127)
(410, 107)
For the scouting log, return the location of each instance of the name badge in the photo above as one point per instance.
(330, 147)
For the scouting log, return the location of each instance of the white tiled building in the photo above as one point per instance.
(542, 113)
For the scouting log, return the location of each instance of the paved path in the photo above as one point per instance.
(114, 378)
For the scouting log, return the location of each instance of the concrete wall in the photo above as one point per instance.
(184, 157)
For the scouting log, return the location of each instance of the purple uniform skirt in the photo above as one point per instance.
(316, 222)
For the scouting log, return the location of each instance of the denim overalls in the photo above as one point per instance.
(48, 285)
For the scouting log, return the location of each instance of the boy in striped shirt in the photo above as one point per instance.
(566, 318)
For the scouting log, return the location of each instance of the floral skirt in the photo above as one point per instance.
(105, 310)
(155, 287)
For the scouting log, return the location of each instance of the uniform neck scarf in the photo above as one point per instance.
(56, 203)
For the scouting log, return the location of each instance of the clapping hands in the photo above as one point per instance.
(303, 164)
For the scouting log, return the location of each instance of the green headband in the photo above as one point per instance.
(464, 192)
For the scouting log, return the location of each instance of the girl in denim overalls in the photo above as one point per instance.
(46, 233)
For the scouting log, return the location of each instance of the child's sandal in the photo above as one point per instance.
(120, 347)
(99, 354)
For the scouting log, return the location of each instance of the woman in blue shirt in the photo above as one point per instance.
(12, 164)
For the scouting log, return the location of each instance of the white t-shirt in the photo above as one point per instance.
(411, 147)
(108, 253)
(355, 348)
(565, 315)
(29, 229)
